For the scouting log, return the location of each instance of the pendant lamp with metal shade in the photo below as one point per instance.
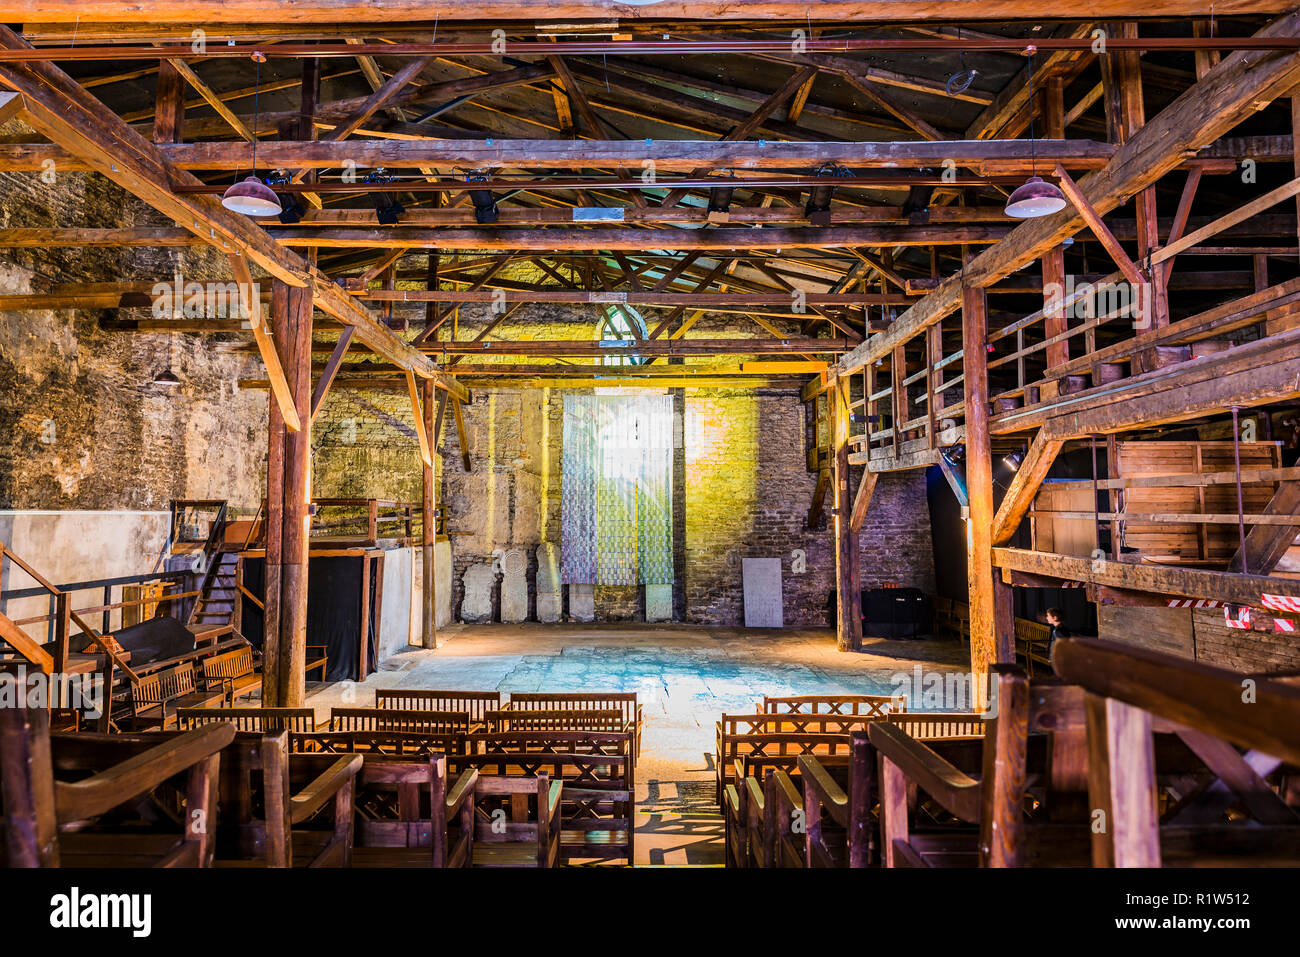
(252, 197)
(1035, 197)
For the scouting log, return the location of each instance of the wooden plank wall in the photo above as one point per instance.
(1200, 633)
(1171, 542)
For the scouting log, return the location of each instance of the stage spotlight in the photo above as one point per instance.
(1013, 460)
(388, 211)
(291, 210)
(720, 201)
(818, 208)
(485, 204)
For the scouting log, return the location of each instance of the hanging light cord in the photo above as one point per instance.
(257, 89)
(1033, 159)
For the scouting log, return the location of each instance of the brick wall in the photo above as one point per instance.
(744, 492)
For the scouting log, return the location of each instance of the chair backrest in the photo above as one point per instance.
(178, 680)
(474, 703)
(378, 743)
(231, 664)
(939, 726)
(795, 723)
(392, 719)
(261, 720)
(555, 720)
(624, 701)
(146, 691)
(541, 825)
(874, 705)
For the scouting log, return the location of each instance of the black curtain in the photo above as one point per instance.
(333, 612)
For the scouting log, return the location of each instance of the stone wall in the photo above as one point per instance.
(744, 492)
(82, 426)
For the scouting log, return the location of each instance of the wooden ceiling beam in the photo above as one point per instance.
(1239, 86)
(328, 12)
(58, 108)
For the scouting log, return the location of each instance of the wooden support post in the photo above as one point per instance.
(848, 590)
(991, 636)
(169, 104)
(1002, 791)
(1121, 784)
(288, 497)
(428, 522)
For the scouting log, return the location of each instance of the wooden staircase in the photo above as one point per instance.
(216, 604)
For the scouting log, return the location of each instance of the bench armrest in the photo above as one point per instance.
(957, 791)
(311, 798)
(754, 793)
(140, 773)
(832, 797)
(461, 791)
(553, 800)
(786, 791)
(731, 797)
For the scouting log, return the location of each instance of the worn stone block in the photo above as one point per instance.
(514, 587)
(762, 583)
(658, 602)
(582, 602)
(549, 604)
(478, 581)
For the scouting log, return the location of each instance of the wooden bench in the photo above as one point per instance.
(625, 701)
(734, 748)
(988, 806)
(1033, 645)
(475, 703)
(597, 772)
(107, 773)
(233, 673)
(496, 722)
(156, 697)
(404, 744)
(260, 773)
(392, 827)
(872, 705)
(390, 719)
(1134, 696)
(259, 720)
(939, 725)
(517, 821)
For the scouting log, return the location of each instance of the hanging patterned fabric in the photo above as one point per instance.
(616, 511)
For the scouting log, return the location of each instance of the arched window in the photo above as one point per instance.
(621, 324)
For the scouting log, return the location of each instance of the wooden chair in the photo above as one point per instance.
(625, 701)
(405, 812)
(259, 720)
(1233, 816)
(475, 703)
(565, 719)
(234, 673)
(269, 796)
(517, 821)
(40, 811)
(872, 705)
(156, 697)
(385, 719)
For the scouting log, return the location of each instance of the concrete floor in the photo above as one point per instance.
(684, 676)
